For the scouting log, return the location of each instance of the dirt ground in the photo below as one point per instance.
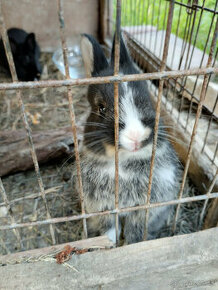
(48, 109)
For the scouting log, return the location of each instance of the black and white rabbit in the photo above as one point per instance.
(26, 54)
(136, 130)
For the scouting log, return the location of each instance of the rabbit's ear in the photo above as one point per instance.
(93, 55)
(125, 59)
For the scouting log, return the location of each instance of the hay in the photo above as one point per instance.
(47, 109)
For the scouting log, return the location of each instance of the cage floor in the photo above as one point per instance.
(48, 109)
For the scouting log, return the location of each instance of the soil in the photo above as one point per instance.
(46, 109)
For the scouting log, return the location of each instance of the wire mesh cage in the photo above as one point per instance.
(176, 52)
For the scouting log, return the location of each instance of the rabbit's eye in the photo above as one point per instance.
(101, 109)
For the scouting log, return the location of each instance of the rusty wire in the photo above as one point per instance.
(158, 107)
(71, 108)
(109, 79)
(120, 210)
(204, 52)
(116, 79)
(25, 120)
(206, 200)
(10, 213)
(177, 32)
(188, 41)
(199, 109)
(194, 6)
(116, 112)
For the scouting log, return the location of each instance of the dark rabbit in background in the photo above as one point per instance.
(25, 52)
(136, 130)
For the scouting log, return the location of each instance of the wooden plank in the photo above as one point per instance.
(93, 243)
(152, 39)
(201, 170)
(211, 219)
(49, 144)
(150, 62)
(180, 262)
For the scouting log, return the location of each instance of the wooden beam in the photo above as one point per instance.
(93, 243)
(50, 144)
(201, 170)
(180, 262)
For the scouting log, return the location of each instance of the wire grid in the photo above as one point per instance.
(185, 58)
(116, 79)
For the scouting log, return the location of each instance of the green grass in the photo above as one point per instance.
(138, 12)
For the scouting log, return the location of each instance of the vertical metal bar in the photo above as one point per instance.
(184, 44)
(10, 213)
(158, 107)
(182, 52)
(209, 124)
(71, 108)
(215, 153)
(196, 34)
(102, 20)
(141, 33)
(131, 19)
(124, 13)
(139, 28)
(204, 52)
(199, 109)
(147, 23)
(135, 18)
(187, 56)
(25, 120)
(185, 37)
(164, 22)
(206, 200)
(158, 22)
(177, 32)
(152, 24)
(116, 113)
(108, 18)
(191, 35)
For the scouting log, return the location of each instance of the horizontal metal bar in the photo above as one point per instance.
(121, 210)
(195, 6)
(51, 190)
(108, 79)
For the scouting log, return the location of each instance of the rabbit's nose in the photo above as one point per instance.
(138, 136)
(135, 139)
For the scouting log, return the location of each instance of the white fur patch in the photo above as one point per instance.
(166, 174)
(134, 132)
(111, 233)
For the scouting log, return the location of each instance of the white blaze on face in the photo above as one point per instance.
(134, 132)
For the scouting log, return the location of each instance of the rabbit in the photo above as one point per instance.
(136, 132)
(26, 54)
